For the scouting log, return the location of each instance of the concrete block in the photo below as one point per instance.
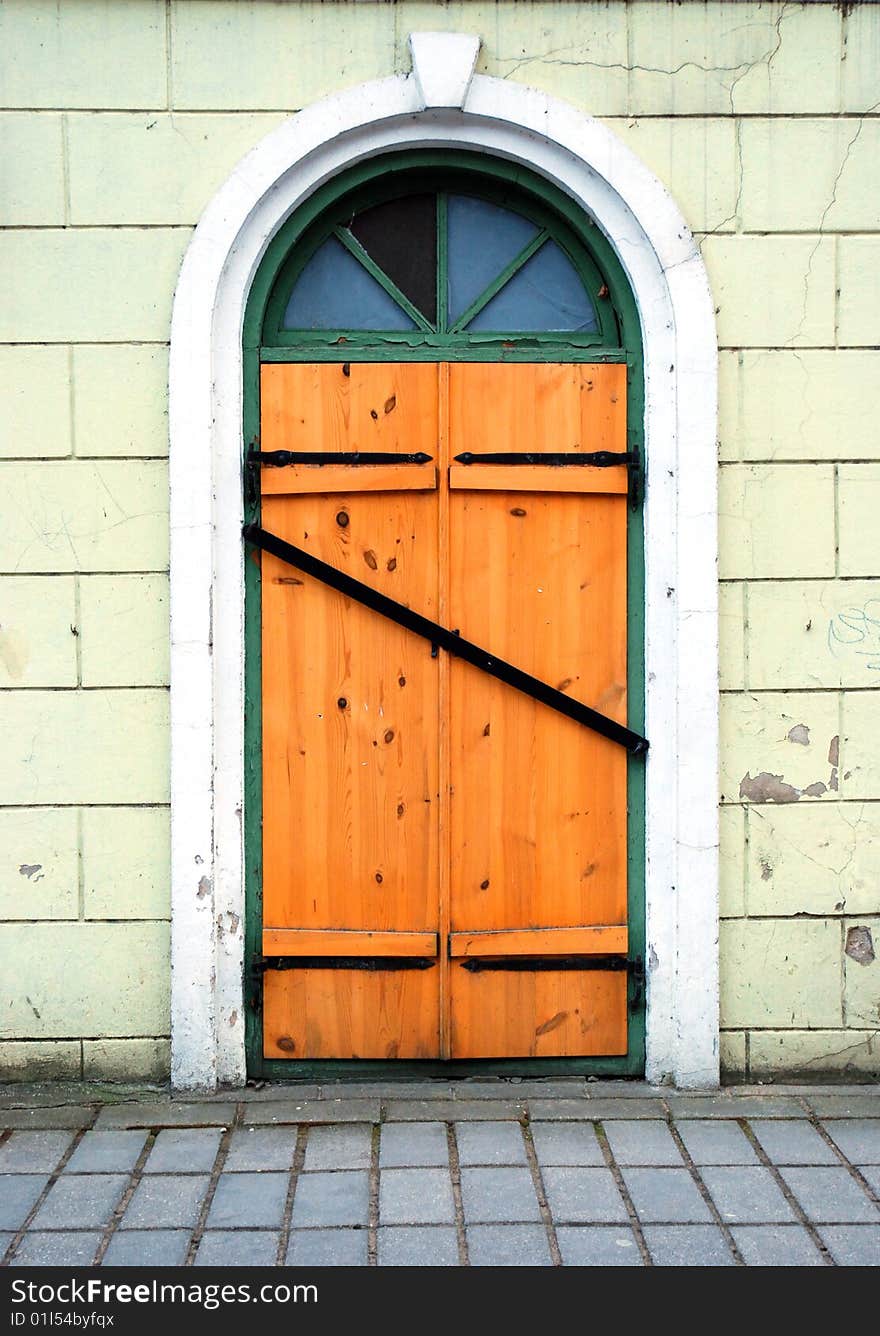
(861, 973)
(795, 1142)
(33, 1152)
(32, 170)
(490, 1143)
(107, 516)
(754, 280)
(776, 1245)
(35, 421)
(800, 863)
(732, 633)
(60, 1249)
(84, 746)
(508, 1245)
(830, 1195)
(184, 1150)
(106, 1153)
(780, 972)
(858, 497)
(732, 862)
(776, 521)
(417, 1245)
(775, 747)
(416, 1197)
(327, 1247)
(861, 772)
(164, 1201)
(119, 984)
(747, 1195)
(814, 634)
(598, 1245)
(852, 1245)
(687, 1245)
(237, 1247)
(347, 1146)
(80, 1201)
(84, 55)
(310, 1111)
(858, 1138)
(126, 862)
(813, 1052)
(120, 399)
(90, 284)
(643, 1143)
(39, 875)
(38, 632)
(19, 1193)
(494, 1195)
(858, 306)
(566, 1144)
(126, 1059)
(323, 1200)
(182, 160)
(125, 630)
(251, 57)
(41, 1060)
(695, 158)
(583, 1196)
(665, 1195)
(808, 404)
(142, 1247)
(261, 1148)
(248, 1201)
(838, 193)
(715, 1141)
(406, 1144)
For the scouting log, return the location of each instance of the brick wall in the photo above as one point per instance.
(119, 119)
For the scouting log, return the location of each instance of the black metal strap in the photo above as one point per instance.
(281, 459)
(600, 459)
(524, 964)
(445, 639)
(263, 963)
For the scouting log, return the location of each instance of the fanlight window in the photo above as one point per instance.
(440, 262)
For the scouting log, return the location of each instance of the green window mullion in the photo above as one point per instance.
(442, 264)
(356, 249)
(498, 283)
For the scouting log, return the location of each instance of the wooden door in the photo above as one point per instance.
(444, 858)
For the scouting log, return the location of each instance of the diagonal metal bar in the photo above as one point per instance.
(445, 639)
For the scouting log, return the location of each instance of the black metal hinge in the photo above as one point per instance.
(282, 459)
(599, 459)
(263, 963)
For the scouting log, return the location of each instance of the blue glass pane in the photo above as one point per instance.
(482, 240)
(334, 291)
(545, 294)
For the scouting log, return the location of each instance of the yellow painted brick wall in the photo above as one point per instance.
(118, 120)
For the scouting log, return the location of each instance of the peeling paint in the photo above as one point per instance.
(204, 887)
(767, 788)
(799, 734)
(860, 945)
(30, 871)
(834, 751)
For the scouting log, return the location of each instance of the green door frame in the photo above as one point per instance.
(619, 340)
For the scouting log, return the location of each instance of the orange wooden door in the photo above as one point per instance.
(419, 817)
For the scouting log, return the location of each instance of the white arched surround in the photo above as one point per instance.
(584, 158)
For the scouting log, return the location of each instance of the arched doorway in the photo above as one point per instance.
(210, 780)
(444, 390)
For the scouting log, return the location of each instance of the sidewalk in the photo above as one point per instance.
(480, 1173)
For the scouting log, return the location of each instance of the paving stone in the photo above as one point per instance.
(147, 1247)
(505, 1088)
(871, 1172)
(237, 1247)
(733, 1106)
(62, 1249)
(642, 1142)
(495, 1195)
(717, 1142)
(167, 1114)
(852, 1245)
(18, 1192)
(331, 1199)
(388, 1090)
(83, 1201)
(327, 1247)
(833, 1104)
(184, 1151)
(416, 1197)
(596, 1109)
(831, 1196)
(33, 1152)
(596, 1088)
(508, 1245)
(792, 1143)
(106, 1153)
(668, 1196)
(598, 1245)
(583, 1196)
(404, 1144)
(274, 1090)
(490, 1143)
(567, 1143)
(747, 1195)
(776, 1245)
(165, 1201)
(687, 1245)
(417, 1245)
(34, 1119)
(248, 1201)
(452, 1110)
(260, 1148)
(345, 1147)
(858, 1138)
(284, 1111)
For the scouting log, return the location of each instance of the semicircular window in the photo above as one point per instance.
(451, 262)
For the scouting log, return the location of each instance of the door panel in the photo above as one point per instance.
(406, 794)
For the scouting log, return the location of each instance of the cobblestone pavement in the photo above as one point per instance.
(480, 1173)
